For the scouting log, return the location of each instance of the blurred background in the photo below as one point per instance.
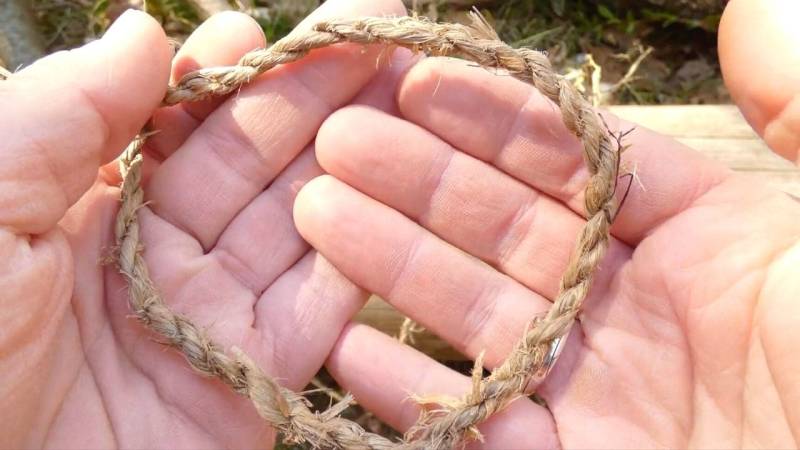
(616, 51)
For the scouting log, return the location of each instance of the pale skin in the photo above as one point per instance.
(688, 339)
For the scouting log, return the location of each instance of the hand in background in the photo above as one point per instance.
(759, 48)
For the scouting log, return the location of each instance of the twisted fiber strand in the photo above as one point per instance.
(285, 410)
(288, 412)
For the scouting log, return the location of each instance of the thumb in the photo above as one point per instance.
(72, 111)
(759, 49)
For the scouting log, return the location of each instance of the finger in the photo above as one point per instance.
(508, 123)
(760, 68)
(382, 375)
(457, 297)
(72, 111)
(251, 138)
(466, 202)
(220, 41)
(262, 242)
(306, 308)
(380, 92)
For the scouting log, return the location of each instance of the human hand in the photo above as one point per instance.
(76, 371)
(759, 50)
(462, 210)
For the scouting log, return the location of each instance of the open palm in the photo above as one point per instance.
(76, 371)
(461, 210)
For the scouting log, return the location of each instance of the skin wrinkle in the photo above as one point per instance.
(280, 361)
(782, 402)
(151, 152)
(709, 383)
(284, 271)
(653, 312)
(691, 365)
(98, 121)
(101, 386)
(653, 317)
(511, 238)
(512, 132)
(410, 407)
(56, 309)
(175, 411)
(283, 367)
(779, 255)
(596, 350)
(190, 275)
(87, 349)
(219, 139)
(49, 349)
(104, 406)
(88, 364)
(478, 318)
(688, 430)
(747, 370)
(156, 145)
(702, 188)
(306, 87)
(777, 119)
(772, 378)
(403, 267)
(232, 264)
(437, 182)
(39, 148)
(286, 196)
(573, 187)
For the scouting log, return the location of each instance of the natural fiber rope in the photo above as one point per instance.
(447, 426)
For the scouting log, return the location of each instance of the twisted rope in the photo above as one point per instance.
(447, 426)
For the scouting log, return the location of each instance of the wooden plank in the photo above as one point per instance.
(689, 121)
(719, 132)
(750, 156)
(740, 154)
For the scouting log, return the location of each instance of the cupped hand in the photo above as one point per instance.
(75, 370)
(461, 209)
